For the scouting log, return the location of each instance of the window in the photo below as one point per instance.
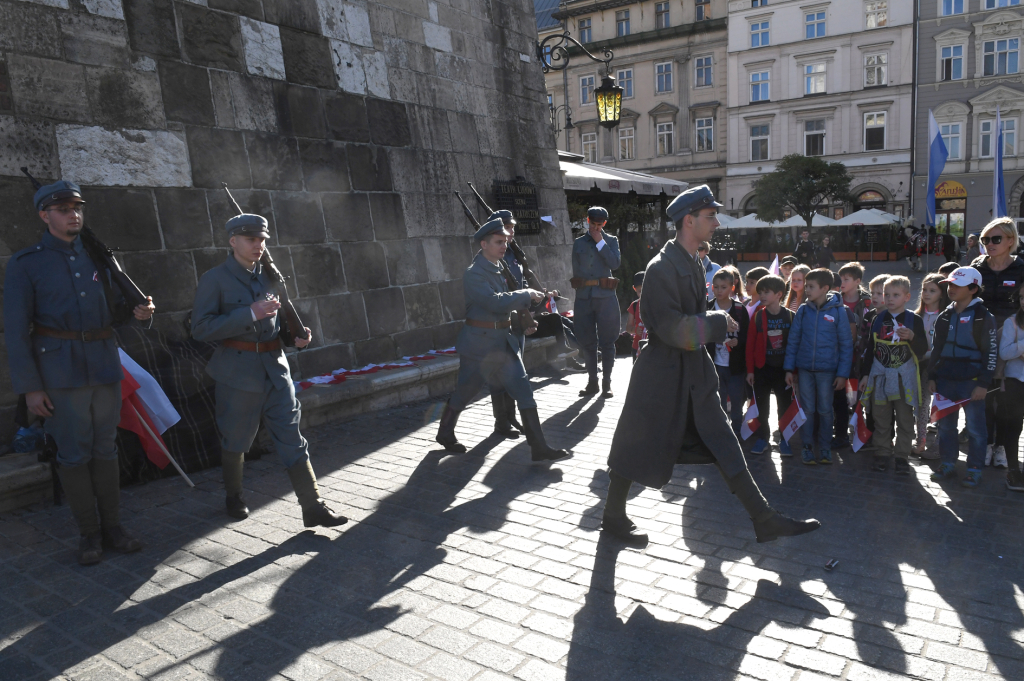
(705, 134)
(759, 34)
(758, 3)
(625, 78)
(627, 148)
(704, 77)
(661, 15)
(584, 27)
(952, 64)
(988, 141)
(876, 13)
(622, 23)
(589, 146)
(814, 25)
(663, 72)
(759, 142)
(760, 87)
(986, 138)
(874, 131)
(1001, 56)
(814, 138)
(587, 89)
(992, 4)
(814, 79)
(952, 7)
(1010, 137)
(874, 69)
(666, 133)
(951, 137)
(551, 101)
(702, 10)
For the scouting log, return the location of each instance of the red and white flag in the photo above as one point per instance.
(851, 391)
(942, 407)
(774, 269)
(135, 418)
(792, 420)
(750, 422)
(861, 434)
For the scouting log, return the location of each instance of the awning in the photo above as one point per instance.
(868, 216)
(750, 222)
(578, 175)
(816, 221)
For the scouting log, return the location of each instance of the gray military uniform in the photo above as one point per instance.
(596, 317)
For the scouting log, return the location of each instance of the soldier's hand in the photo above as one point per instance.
(731, 325)
(144, 312)
(303, 342)
(535, 295)
(265, 308)
(39, 403)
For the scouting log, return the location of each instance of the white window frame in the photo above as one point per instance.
(662, 14)
(701, 10)
(878, 10)
(815, 76)
(883, 66)
(815, 18)
(763, 30)
(587, 86)
(815, 132)
(705, 63)
(622, 77)
(885, 129)
(1010, 50)
(589, 139)
(621, 23)
(706, 125)
(946, 130)
(665, 131)
(760, 84)
(589, 28)
(663, 80)
(1009, 137)
(767, 137)
(999, 4)
(952, 57)
(950, 8)
(627, 138)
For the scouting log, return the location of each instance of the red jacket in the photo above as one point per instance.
(757, 339)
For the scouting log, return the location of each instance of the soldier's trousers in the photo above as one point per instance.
(502, 368)
(596, 321)
(239, 413)
(84, 422)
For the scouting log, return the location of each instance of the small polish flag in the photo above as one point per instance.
(851, 391)
(750, 422)
(943, 407)
(792, 420)
(774, 269)
(861, 434)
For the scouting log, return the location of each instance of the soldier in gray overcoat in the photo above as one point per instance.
(596, 314)
(672, 412)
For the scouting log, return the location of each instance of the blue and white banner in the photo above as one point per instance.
(937, 155)
(998, 190)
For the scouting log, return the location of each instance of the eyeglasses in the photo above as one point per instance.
(992, 239)
(68, 210)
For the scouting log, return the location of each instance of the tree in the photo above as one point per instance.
(800, 184)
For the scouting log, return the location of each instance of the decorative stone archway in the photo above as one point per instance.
(1013, 201)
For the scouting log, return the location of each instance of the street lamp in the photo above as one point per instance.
(553, 53)
(609, 102)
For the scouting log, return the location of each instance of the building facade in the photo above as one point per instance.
(830, 79)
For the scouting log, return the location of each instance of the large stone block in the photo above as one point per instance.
(346, 117)
(309, 315)
(105, 8)
(300, 14)
(299, 218)
(125, 98)
(453, 300)
(26, 29)
(247, 8)
(168, 276)
(347, 61)
(366, 266)
(218, 156)
(98, 41)
(388, 216)
(406, 169)
(20, 226)
(389, 123)
(245, 102)
(462, 127)
(324, 165)
(299, 110)
(414, 342)
(343, 318)
(307, 58)
(445, 335)
(27, 143)
(375, 351)
(152, 28)
(186, 93)
(385, 311)
(49, 89)
(433, 259)
(406, 262)
(206, 259)
(422, 305)
(430, 129)
(147, 158)
(347, 216)
(124, 219)
(318, 270)
(210, 38)
(184, 218)
(324, 360)
(368, 168)
(375, 69)
(221, 210)
(264, 55)
(274, 161)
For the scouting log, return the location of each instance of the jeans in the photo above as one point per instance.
(816, 397)
(768, 380)
(1010, 419)
(732, 388)
(974, 412)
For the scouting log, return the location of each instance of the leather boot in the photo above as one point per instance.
(106, 484)
(77, 484)
(606, 388)
(769, 524)
(446, 431)
(315, 511)
(231, 466)
(615, 521)
(502, 426)
(591, 388)
(510, 412)
(539, 449)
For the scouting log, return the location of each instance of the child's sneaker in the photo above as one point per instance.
(808, 456)
(785, 449)
(1015, 481)
(999, 457)
(972, 479)
(944, 471)
(759, 446)
(881, 464)
(902, 466)
(826, 457)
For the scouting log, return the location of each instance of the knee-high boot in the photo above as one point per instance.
(232, 466)
(539, 449)
(77, 484)
(502, 426)
(315, 510)
(446, 431)
(769, 524)
(106, 484)
(510, 413)
(615, 520)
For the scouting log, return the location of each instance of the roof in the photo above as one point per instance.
(578, 175)
(543, 9)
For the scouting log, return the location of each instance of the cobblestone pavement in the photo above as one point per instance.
(480, 566)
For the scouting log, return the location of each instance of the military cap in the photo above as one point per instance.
(58, 191)
(495, 226)
(690, 201)
(248, 224)
(790, 260)
(505, 215)
(597, 214)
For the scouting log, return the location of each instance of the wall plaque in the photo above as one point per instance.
(520, 197)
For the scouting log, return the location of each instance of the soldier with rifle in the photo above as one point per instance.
(237, 305)
(62, 297)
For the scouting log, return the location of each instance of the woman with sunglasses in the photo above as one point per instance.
(1002, 274)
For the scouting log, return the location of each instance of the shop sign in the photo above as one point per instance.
(950, 189)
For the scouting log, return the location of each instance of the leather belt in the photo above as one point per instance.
(589, 282)
(90, 335)
(503, 324)
(246, 346)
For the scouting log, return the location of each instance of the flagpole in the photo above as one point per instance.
(156, 439)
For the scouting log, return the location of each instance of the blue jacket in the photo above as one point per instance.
(590, 263)
(488, 300)
(965, 347)
(56, 284)
(820, 340)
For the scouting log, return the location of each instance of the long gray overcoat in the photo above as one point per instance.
(674, 380)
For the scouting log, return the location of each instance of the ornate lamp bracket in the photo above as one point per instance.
(553, 53)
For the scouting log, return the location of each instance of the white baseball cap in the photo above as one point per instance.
(964, 276)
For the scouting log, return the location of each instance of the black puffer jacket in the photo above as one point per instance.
(999, 291)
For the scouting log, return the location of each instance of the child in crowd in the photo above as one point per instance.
(796, 287)
(820, 348)
(962, 366)
(750, 283)
(933, 301)
(892, 375)
(730, 357)
(786, 267)
(876, 287)
(857, 302)
(1010, 410)
(634, 324)
(945, 269)
(767, 337)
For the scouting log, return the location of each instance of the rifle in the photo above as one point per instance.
(532, 279)
(291, 325)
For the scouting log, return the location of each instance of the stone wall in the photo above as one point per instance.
(347, 124)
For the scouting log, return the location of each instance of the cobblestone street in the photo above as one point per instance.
(480, 566)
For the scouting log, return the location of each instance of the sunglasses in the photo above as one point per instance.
(992, 240)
